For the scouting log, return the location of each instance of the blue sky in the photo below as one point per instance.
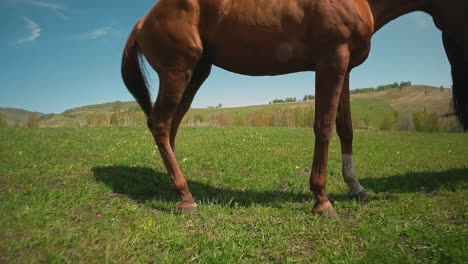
(61, 54)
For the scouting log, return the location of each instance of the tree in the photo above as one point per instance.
(276, 101)
(362, 90)
(405, 84)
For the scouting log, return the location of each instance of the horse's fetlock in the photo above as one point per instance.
(179, 185)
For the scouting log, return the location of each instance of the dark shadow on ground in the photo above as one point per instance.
(450, 180)
(143, 184)
(146, 184)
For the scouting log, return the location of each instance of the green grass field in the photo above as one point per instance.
(101, 195)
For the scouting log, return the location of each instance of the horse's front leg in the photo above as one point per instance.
(344, 128)
(331, 69)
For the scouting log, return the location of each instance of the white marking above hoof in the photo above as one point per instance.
(350, 175)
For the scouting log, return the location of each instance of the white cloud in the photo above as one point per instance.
(97, 33)
(34, 31)
(57, 8)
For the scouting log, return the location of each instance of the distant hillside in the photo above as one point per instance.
(103, 108)
(369, 109)
(415, 98)
(15, 114)
(371, 106)
(79, 116)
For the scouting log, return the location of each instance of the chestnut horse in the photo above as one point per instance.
(182, 39)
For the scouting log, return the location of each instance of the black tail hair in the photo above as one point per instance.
(133, 76)
(455, 54)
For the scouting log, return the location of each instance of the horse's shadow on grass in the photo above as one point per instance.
(146, 184)
(421, 182)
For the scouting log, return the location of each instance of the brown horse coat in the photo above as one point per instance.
(182, 39)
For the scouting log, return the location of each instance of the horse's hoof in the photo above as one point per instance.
(360, 197)
(188, 210)
(330, 212)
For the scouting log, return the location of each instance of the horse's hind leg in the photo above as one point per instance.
(201, 72)
(176, 92)
(344, 128)
(171, 88)
(171, 43)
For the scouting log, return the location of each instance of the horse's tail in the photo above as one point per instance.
(132, 75)
(456, 58)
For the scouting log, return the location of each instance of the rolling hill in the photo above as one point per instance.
(371, 107)
(79, 116)
(415, 98)
(17, 115)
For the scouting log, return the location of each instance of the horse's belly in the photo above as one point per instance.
(260, 56)
(260, 38)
